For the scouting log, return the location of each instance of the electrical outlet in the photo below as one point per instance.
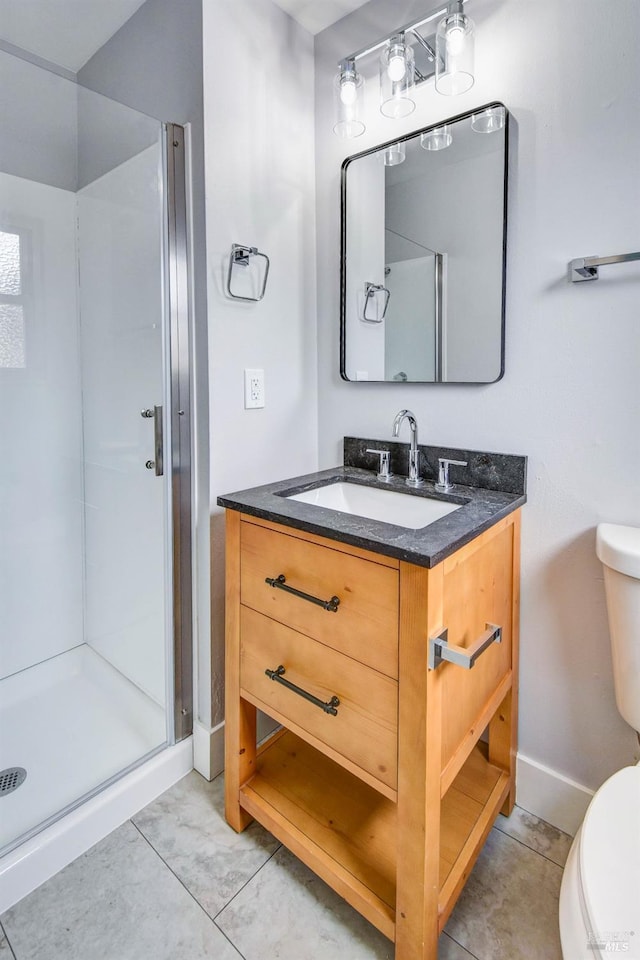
(253, 389)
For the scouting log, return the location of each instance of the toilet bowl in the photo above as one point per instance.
(600, 892)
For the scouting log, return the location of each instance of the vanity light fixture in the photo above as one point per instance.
(454, 52)
(440, 44)
(488, 121)
(348, 87)
(439, 138)
(397, 78)
(394, 154)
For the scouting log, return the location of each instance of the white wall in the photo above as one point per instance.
(120, 259)
(457, 210)
(259, 160)
(570, 74)
(41, 439)
(365, 256)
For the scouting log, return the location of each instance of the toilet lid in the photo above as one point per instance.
(610, 865)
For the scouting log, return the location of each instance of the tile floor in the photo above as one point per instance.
(176, 883)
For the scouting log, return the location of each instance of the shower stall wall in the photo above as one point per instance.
(93, 462)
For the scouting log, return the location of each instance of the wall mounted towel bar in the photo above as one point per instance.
(240, 257)
(586, 268)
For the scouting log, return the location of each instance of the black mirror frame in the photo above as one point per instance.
(343, 246)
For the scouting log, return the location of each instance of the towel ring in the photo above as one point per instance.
(241, 256)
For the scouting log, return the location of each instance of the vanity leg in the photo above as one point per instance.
(240, 716)
(419, 763)
(503, 729)
(502, 747)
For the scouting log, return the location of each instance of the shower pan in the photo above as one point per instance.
(95, 472)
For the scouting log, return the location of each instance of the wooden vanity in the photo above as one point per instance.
(378, 778)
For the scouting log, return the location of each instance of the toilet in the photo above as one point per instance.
(600, 892)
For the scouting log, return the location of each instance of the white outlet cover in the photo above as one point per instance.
(253, 389)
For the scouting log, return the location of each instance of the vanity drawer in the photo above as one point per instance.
(365, 624)
(365, 726)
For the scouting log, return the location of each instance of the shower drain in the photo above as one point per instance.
(11, 779)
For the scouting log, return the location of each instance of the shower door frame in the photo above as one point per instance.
(178, 433)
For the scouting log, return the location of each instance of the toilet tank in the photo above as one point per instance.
(618, 548)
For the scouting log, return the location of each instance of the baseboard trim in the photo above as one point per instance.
(208, 750)
(551, 796)
(38, 859)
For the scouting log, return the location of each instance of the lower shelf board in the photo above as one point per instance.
(345, 831)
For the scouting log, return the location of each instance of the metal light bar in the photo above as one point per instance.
(586, 268)
(411, 27)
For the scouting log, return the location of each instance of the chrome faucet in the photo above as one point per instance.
(414, 479)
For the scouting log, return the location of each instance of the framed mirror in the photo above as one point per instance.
(423, 256)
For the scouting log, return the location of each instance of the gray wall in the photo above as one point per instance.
(571, 392)
(154, 64)
(39, 113)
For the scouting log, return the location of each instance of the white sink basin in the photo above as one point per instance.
(401, 509)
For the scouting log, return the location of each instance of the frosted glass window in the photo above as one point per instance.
(13, 300)
(12, 354)
(10, 269)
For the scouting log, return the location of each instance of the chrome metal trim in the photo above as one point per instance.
(370, 292)
(158, 441)
(586, 268)
(440, 649)
(444, 485)
(241, 256)
(180, 427)
(442, 10)
(384, 464)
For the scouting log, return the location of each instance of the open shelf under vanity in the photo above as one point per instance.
(346, 831)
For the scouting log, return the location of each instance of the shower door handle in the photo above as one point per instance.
(158, 440)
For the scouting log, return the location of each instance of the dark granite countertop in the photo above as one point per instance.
(426, 546)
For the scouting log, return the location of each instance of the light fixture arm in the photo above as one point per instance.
(425, 44)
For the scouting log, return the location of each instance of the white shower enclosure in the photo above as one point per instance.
(95, 655)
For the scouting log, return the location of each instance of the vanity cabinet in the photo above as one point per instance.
(379, 777)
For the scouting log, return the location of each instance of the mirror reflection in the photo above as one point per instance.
(423, 240)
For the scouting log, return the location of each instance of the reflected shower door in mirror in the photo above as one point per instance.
(423, 254)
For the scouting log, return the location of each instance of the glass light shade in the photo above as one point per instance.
(348, 89)
(394, 154)
(397, 79)
(454, 54)
(488, 121)
(437, 139)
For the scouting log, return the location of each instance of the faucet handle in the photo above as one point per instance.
(444, 485)
(384, 467)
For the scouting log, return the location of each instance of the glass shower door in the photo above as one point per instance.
(120, 237)
(86, 669)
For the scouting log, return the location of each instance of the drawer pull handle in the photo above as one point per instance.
(440, 649)
(281, 583)
(329, 707)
